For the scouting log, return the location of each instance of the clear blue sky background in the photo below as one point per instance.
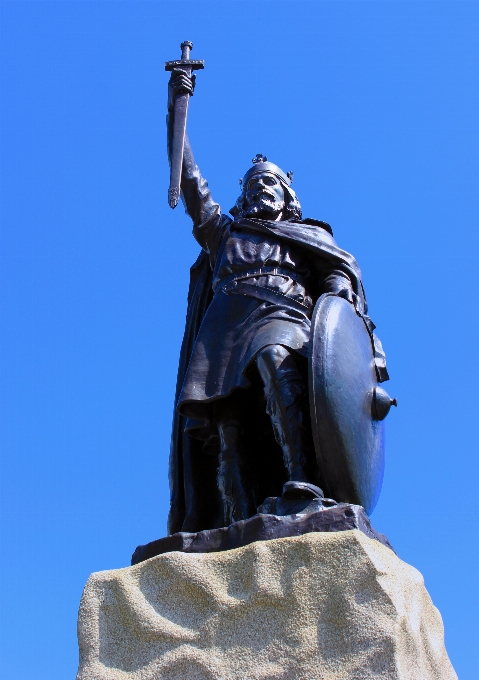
(374, 106)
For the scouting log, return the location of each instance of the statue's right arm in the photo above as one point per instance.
(195, 194)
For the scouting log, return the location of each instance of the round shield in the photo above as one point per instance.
(348, 435)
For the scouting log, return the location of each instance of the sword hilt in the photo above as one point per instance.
(185, 50)
(185, 62)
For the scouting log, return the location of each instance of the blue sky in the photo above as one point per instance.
(374, 106)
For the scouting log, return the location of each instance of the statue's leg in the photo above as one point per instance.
(287, 403)
(234, 477)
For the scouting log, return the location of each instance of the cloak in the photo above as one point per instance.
(195, 502)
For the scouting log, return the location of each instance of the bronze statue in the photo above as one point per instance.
(252, 419)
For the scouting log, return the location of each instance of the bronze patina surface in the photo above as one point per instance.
(278, 390)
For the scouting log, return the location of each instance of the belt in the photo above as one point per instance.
(268, 295)
(236, 285)
(229, 282)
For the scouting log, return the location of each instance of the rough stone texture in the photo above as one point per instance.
(320, 606)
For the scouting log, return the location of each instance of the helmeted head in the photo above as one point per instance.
(267, 193)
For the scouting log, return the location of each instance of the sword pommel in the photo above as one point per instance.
(186, 46)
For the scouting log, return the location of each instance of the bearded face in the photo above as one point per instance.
(264, 197)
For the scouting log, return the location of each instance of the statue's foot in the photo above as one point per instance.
(302, 490)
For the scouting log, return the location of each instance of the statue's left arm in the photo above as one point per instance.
(337, 282)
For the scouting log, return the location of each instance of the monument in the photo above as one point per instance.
(271, 568)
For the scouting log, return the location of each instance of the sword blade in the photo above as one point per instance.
(178, 144)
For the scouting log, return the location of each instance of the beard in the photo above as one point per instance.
(264, 204)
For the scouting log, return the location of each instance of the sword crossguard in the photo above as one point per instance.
(185, 63)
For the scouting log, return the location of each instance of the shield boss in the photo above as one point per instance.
(349, 441)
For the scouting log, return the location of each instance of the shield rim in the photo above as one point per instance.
(318, 393)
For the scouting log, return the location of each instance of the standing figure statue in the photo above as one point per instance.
(243, 426)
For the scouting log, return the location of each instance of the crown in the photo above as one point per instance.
(261, 164)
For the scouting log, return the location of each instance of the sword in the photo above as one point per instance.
(179, 121)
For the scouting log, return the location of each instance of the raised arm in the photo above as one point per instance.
(195, 193)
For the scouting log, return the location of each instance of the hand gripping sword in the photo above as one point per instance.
(179, 121)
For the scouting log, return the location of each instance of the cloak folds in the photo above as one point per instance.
(195, 502)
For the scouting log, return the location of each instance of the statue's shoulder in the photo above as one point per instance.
(317, 223)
